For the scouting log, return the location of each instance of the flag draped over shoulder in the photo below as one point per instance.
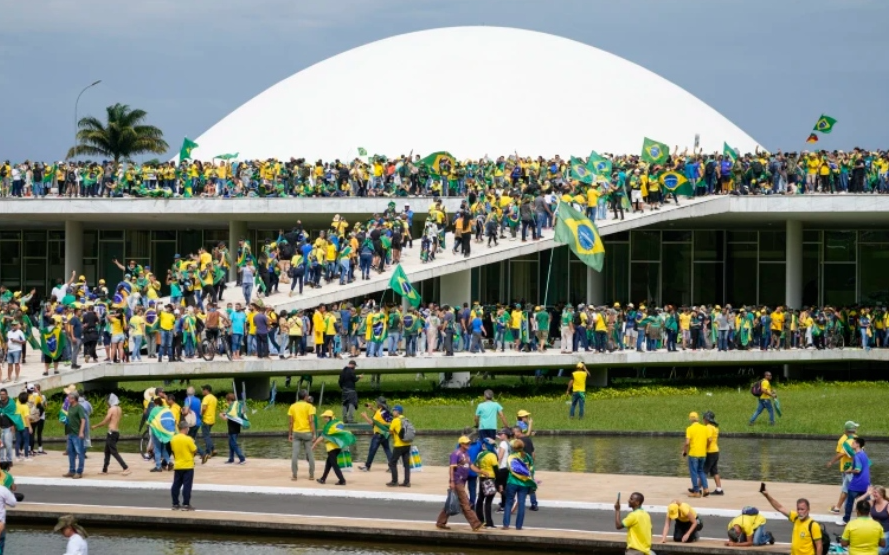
(677, 183)
(654, 152)
(824, 124)
(52, 342)
(401, 285)
(187, 146)
(11, 412)
(581, 236)
(580, 171)
(521, 472)
(162, 424)
(50, 173)
(237, 413)
(335, 432)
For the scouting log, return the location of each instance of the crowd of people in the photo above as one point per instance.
(760, 172)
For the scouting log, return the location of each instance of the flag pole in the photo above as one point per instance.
(552, 250)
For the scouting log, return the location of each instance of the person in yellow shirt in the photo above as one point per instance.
(806, 532)
(401, 449)
(577, 389)
(697, 440)
(637, 524)
(766, 399)
(380, 422)
(318, 328)
(843, 456)
(208, 418)
(863, 535)
(687, 522)
(747, 530)
(777, 327)
(711, 463)
(331, 425)
(302, 433)
(183, 448)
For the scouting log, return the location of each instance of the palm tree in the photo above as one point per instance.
(123, 137)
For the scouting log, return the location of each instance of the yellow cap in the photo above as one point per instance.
(462, 441)
(691, 416)
(327, 414)
(673, 511)
(579, 365)
(523, 413)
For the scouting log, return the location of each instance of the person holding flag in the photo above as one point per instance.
(336, 438)
(162, 427)
(236, 418)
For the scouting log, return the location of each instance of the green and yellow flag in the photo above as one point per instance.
(335, 432)
(52, 342)
(362, 151)
(654, 152)
(675, 182)
(599, 165)
(226, 156)
(434, 160)
(238, 413)
(581, 236)
(162, 423)
(187, 146)
(580, 171)
(401, 285)
(825, 124)
(729, 152)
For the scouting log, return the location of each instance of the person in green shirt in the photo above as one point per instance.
(394, 326)
(75, 424)
(541, 317)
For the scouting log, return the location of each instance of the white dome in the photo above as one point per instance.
(470, 91)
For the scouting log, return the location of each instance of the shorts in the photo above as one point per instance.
(542, 335)
(631, 333)
(636, 195)
(14, 357)
(118, 338)
(847, 479)
(711, 464)
(50, 360)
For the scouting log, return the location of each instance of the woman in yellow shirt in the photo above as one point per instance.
(485, 465)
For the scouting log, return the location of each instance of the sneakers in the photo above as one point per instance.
(695, 494)
(404, 485)
(126, 472)
(392, 484)
(364, 469)
(68, 475)
(77, 476)
(176, 507)
(187, 508)
(155, 469)
(717, 492)
(840, 522)
(835, 510)
(535, 508)
(242, 463)
(340, 483)
(204, 458)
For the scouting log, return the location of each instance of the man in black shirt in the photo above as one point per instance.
(348, 381)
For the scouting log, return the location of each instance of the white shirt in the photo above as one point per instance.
(76, 546)
(7, 499)
(505, 446)
(14, 334)
(58, 293)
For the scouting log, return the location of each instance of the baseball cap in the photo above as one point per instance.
(850, 425)
(464, 440)
(327, 414)
(693, 415)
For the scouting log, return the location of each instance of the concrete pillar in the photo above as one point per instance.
(258, 388)
(73, 248)
(237, 230)
(595, 287)
(456, 289)
(793, 372)
(598, 376)
(794, 269)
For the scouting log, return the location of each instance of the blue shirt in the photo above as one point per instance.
(473, 451)
(476, 326)
(306, 250)
(487, 415)
(860, 481)
(239, 319)
(194, 405)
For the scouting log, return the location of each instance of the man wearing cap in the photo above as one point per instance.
(76, 535)
(401, 449)
(380, 422)
(711, 463)
(458, 472)
(697, 439)
(577, 389)
(844, 454)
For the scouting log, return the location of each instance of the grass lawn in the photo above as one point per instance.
(809, 407)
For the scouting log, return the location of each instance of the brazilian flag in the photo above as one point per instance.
(729, 152)
(599, 165)
(654, 152)
(434, 160)
(825, 124)
(580, 171)
(336, 433)
(237, 413)
(52, 342)
(581, 236)
(401, 285)
(675, 182)
(162, 423)
(187, 146)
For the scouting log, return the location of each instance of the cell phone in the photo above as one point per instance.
(618, 498)
(762, 487)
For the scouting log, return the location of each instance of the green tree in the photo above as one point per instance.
(122, 137)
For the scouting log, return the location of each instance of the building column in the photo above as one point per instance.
(454, 290)
(598, 376)
(794, 267)
(595, 287)
(258, 388)
(73, 248)
(237, 230)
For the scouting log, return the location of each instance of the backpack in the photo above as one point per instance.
(710, 168)
(756, 167)
(577, 320)
(407, 433)
(825, 538)
(756, 388)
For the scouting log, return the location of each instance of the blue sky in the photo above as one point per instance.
(770, 66)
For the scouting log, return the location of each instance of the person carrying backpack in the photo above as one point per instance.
(402, 432)
(766, 395)
(808, 536)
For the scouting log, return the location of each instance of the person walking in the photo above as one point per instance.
(75, 424)
(380, 421)
(335, 438)
(767, 397)
(843, 456)
(577, 389)
(637, 524)
(401, 448)
(7, 499)
(486, 416)
(183, 448)
(697, 439)
(209, 403)
(458, 473)
(234, 430)
(806, 532)
(711, 463)
(519, 483)
(860, 482)
(348, 382)
(301, 433)
(485, 466)
(687, 523)
(112, 420)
